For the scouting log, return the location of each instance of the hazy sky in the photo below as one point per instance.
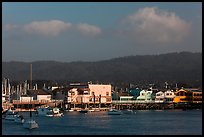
(92, 31)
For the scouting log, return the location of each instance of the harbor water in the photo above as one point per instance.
(141, 122)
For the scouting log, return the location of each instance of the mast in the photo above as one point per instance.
(30, 76)
(30, 88)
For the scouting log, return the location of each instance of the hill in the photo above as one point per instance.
(184, 67)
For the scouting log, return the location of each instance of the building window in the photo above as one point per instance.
(108, 99)
(107, 93)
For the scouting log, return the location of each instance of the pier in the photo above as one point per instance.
(142, 105)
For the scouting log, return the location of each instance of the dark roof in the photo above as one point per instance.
(38, 92)
(61, 89)
(192, 89)
(25, 96)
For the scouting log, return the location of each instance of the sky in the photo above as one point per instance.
(95, 31)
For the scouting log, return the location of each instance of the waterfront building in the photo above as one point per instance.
(102, 92)
(135, 92)
(90, 95)
(164, 96)
(145, 96)
(169, 96)
(182, 96)
(26, 98)
(196, 94)
(43, 96)
(160, 98)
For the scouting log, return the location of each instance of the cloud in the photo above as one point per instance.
(87, 29)
(47, 28)
(153, 25)
(10, 27)
(55, 27)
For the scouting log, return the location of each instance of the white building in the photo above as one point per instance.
(159, 97)
(91, 94)
(169, 96)
(145, 96)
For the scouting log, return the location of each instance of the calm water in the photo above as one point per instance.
(143, 122)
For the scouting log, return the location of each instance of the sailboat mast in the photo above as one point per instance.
(30, 76)
(30, 88)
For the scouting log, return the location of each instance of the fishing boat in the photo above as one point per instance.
(114, 112)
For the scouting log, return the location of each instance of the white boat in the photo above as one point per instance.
(55, 112)
(43, 111)
(10, 115)
(114, 112)
(49, 112)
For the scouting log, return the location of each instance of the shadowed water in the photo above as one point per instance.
(141, 122)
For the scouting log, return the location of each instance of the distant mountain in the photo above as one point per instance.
(183, 67)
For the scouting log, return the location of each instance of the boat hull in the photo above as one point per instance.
(83, 111)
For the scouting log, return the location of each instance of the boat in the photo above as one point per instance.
(70, 110)
(49, 112)
(127, 111)
(55, 112)
(83, 111)
(93, 110)
(31, 123)
(43, 111)
(114, 112)
(10, 115)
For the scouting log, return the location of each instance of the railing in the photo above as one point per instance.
(35, 101)
(130, 101)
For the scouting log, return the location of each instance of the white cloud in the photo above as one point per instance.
(87, 29)
(153, 25)
(48, 28)
(55, 27)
